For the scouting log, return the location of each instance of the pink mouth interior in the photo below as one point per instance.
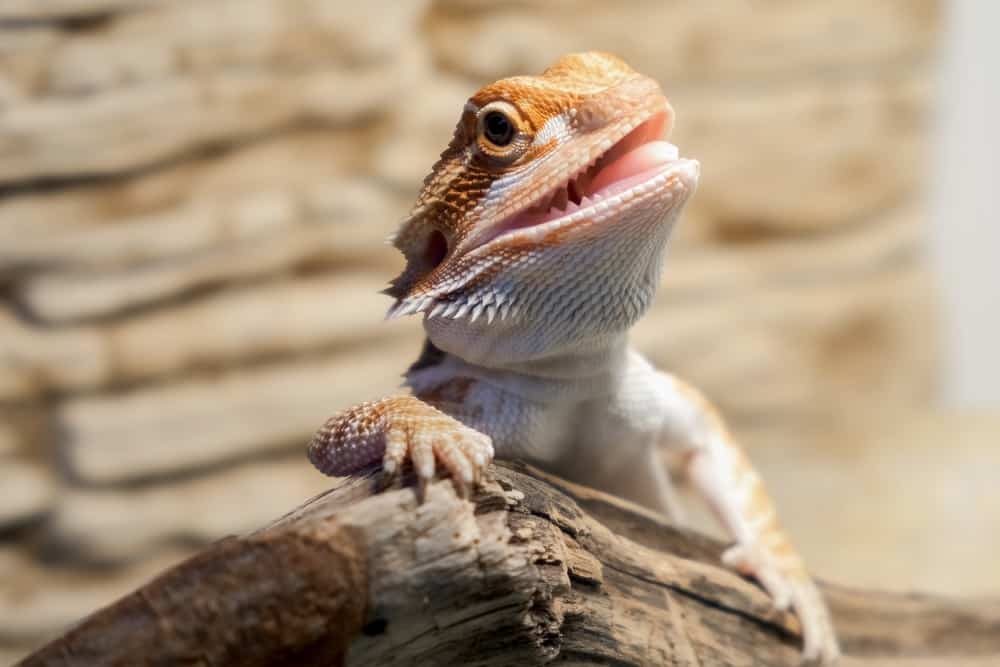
(637, 157)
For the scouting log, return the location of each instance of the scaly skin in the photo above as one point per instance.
(529, 263)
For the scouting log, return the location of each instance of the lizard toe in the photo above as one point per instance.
(456, 462)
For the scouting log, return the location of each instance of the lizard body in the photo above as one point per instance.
(535, 244)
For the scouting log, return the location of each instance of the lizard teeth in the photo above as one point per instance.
(560, 199)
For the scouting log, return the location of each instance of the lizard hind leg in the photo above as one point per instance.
(397, 430)
(720, 471)
(668, 499)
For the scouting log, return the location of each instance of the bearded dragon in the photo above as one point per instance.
(536, 242)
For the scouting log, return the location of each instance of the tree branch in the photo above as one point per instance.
(533, 569)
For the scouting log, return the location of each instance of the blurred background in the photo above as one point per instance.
(193, 202)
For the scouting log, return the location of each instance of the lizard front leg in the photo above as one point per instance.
(721, 472)
(396, 429)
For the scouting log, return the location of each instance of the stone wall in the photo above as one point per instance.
(193, 198)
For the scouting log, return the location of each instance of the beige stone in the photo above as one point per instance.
(34, 361)
(905, 502)
(206, 420)
(11, 654)
(55, 9)
(796, 329)
(183, 37)
(285, 317)
(797, 158)
(142, 124)
(22, 72)
(157, 84)
(26, 491)
(90, 523)
(680, 42)
(419, 130)
(9, 440)
(196, 205)
(71, 295)
(23, 431)
(41, 601)
(200, 38)
(816, 355)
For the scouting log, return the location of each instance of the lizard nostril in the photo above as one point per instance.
(436, 249)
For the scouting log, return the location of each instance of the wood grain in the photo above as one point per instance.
(533, 569)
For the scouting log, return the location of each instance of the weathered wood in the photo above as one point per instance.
(535, 568)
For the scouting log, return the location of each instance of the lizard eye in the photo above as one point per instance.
(500, 138)
(497, 128)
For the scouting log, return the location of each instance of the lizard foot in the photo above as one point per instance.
(439, 439)
(790, 586)
(400, 429)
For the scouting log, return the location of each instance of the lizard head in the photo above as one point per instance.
(543, 225)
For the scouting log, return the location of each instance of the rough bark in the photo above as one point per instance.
(532, 570)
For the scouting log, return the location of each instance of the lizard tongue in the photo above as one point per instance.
(621, 172)
(631, 167)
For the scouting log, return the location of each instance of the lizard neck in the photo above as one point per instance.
(584, 371)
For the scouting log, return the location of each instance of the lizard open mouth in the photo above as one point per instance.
(632, 166)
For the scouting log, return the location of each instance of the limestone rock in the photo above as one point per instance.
(864, 137)
(184, 36)
(279, 318)
(10, 655)
(35, 361)
(204, 39)
(132, 127)
(26, 491)
(9, 439)
(41, 601)
(823, 330)
(911, 495)
(184, 75)
(196, 205)
(201, 421)
(729, 41)
(90, 523)
(419, 131)
(33, 10)
(69, 295)
(233, 326)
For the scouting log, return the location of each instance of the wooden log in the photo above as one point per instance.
(531, 570)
